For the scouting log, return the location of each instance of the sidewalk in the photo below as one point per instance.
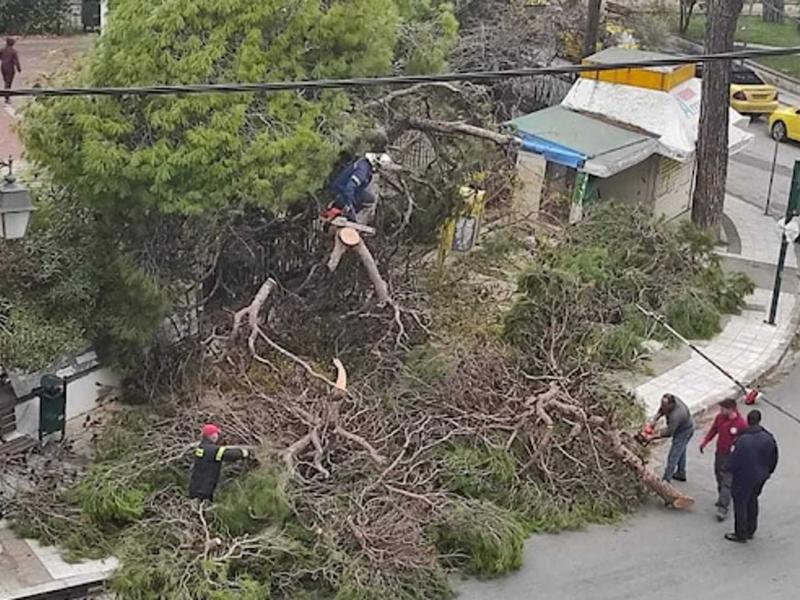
(28, 568)
(747, 347)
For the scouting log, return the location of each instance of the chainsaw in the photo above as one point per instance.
(335, 217)
(646, 435)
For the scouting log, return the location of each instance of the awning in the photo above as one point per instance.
(583, 142)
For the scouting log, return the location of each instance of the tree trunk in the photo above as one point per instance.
(592, 27)
(712, 143)
(772, 11)
(687, 9)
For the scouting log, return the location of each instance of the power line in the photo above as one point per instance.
(367, 82)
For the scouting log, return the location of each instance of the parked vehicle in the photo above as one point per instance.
(784, 123)
(750, 95)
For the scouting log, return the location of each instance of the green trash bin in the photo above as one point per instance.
(52, 405)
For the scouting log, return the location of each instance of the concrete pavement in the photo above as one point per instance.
(748, 171)
(663, 555)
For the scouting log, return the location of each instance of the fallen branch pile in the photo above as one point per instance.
(445, 449)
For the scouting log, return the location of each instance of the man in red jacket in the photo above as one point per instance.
(726, 426)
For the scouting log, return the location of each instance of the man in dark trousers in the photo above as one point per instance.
(9, 64)
(726, 426)
(680, 427)
(352, 187)
(208, 459)
(753, 461)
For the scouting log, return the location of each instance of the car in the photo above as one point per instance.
(750, 95)
(784, 123)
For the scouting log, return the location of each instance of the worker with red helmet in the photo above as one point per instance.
(728, 424)
(208, 459)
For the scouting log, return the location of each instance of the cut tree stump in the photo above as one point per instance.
(347, 238)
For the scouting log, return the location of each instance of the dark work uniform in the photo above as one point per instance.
(351, 188)
(208, 459)
(754, 458)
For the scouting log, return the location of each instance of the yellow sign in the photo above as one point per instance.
(460, 232)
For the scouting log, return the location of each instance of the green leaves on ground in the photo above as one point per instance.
(591, 281)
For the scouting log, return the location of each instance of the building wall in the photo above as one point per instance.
(84, 394)
(634, 186)
(531, 169)
(673, 191)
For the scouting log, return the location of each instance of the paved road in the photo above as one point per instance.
(748, 171)
(664, 555)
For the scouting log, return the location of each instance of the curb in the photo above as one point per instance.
(752, 378)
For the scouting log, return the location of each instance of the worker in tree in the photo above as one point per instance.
(680, 427)
(726, 426)
(752, 462)
(208, 459)
(352, 187)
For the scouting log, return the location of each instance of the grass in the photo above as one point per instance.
(788, 65)
(753, 30)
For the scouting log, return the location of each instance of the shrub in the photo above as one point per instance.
(252, 503)
(481, 538)
(479, 473)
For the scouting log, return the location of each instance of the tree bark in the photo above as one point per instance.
(687, 10)
(712, 143)
(592, 27)
(772, 10)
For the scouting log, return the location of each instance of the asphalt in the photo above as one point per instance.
(662, 554)
(748, 171)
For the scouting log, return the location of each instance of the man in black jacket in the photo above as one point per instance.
(754, 458)
(208, 459)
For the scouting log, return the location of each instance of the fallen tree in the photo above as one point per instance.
(492, 417)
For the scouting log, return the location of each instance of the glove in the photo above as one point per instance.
(245, 453)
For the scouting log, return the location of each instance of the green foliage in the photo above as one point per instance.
(253, 502)
(481, 538)
(425, 364)
(180, 154)
(361, 582)
(108, 498)
(428, 35)
(591, 281)
(480, 473)
(29, 340)
(48, 299)
(133, 307)
(33, 16)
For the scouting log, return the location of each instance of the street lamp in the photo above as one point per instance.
(15, 206)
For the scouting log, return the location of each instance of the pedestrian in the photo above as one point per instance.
(208, 459)
(352, 187)
(9, 64)
(752, 462)
(680, 427)
(726, 426)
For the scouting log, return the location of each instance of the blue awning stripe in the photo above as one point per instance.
(553, 152)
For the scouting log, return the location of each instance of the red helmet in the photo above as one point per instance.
(210, 429)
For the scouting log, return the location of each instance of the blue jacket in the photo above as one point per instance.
(754, 458)
(352, 179)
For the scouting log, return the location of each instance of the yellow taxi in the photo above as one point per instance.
(750, 95)
(784, 123)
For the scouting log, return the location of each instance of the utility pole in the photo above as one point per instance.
(592, 27)
(792, 210)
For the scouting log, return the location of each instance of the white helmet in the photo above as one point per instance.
(380, 161)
